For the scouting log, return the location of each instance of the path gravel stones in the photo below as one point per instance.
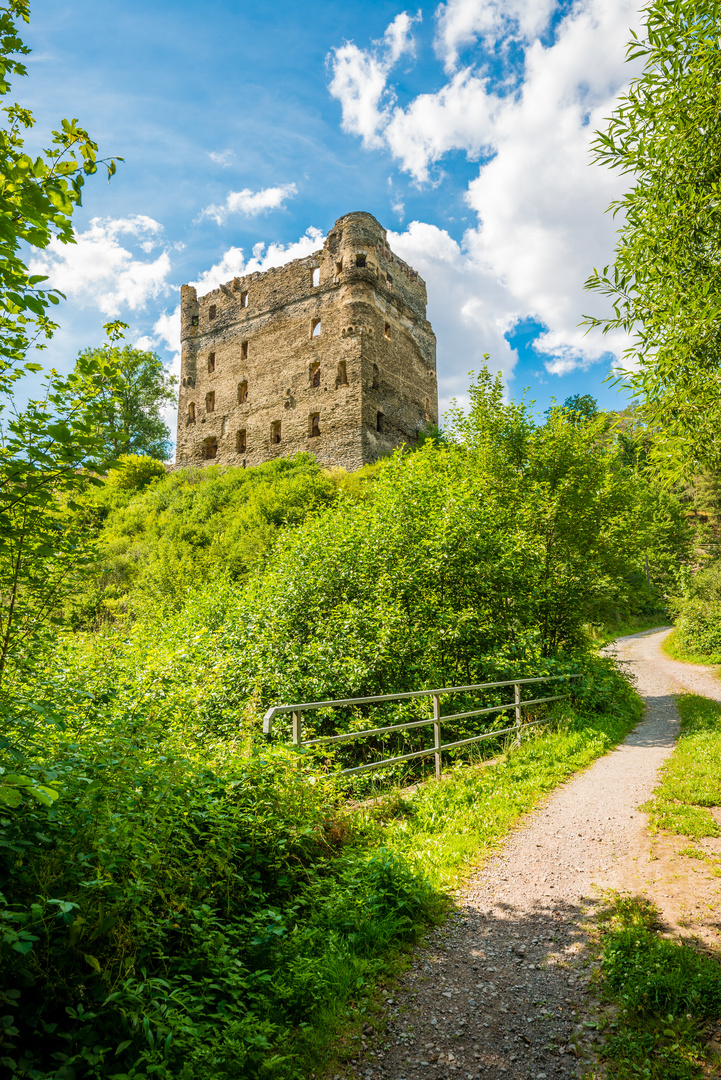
(499, 990)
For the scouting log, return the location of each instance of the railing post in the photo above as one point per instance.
(297, 732)
(437, 733)
(517, 699)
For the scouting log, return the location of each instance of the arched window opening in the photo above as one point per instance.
(428, 409)
(387, 331)
(275, 432)
(211, 363)
(242, 392)
(240, 443)
(315, 328)
(314, 425)
(244, 350)
(342, 379)
(210, 401)
(244, 299)
(315, 374)
(316, 277)
(210, 449)
(212, 311)
(191, 412)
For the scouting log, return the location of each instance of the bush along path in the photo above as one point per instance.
(502, 990)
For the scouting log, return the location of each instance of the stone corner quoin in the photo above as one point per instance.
(331, 354)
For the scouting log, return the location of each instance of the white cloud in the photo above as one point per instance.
(360, 77)
(100, 270)
(461, 22)
(467, 306)
(221, 157)
(538, 199)
(250, 203)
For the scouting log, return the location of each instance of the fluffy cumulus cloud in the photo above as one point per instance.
(360, 79)
(247, 203)
(117, 264)
(543, 77)
(466, 305)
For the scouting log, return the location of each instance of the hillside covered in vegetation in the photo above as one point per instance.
(183, 900)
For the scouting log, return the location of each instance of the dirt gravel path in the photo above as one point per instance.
(498, 991)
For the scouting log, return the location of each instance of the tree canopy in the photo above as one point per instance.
(129, 412)
(665, 283)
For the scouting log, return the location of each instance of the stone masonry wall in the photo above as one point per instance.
(331, 354)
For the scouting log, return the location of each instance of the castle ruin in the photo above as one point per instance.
(331, 354)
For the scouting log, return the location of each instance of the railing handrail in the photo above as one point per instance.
(276, 710)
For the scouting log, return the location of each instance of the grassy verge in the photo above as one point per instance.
(691, 778)
(604, 633)
(673, 649)
(664, 998)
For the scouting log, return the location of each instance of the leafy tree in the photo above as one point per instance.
(665, 283)
(134, 472)
(130, 416)
(584, 406)
(37, 199)
(47, 449)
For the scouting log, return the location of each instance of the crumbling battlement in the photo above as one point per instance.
(331, 354)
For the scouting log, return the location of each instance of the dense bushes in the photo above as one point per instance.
(199, 908)
(181, 920)
(698, 616)
(159, 536)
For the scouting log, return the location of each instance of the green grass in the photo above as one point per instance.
(445, 828)
(604, 633)
(663, 994)
(673, 649)
(691, 778)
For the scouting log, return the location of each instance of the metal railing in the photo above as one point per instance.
(437, 749)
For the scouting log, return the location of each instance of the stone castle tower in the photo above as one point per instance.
(331, 354)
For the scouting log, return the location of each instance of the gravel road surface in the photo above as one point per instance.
(499, 990)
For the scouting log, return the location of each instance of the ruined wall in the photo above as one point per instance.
(331, 354)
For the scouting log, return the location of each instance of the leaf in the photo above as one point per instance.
(93, 962)
(10, 796)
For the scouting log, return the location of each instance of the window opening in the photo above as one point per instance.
(315, 328)
(387, 331)
(244, 299)
(191, 412)
(315, 375)
(342, 374)
(211, 363)
(314, 425)
(240, 442)
(210, 449)
(389, 279)
(339, 266)
(212, 311)
(275, 432)
(194, 320)
(244, 350)
(428, 409)
(376, 378)
(360, 260)
(316, 276)
(379, 421)
(242, 392)
(210, 401)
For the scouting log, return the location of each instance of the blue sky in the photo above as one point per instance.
(248, 129)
